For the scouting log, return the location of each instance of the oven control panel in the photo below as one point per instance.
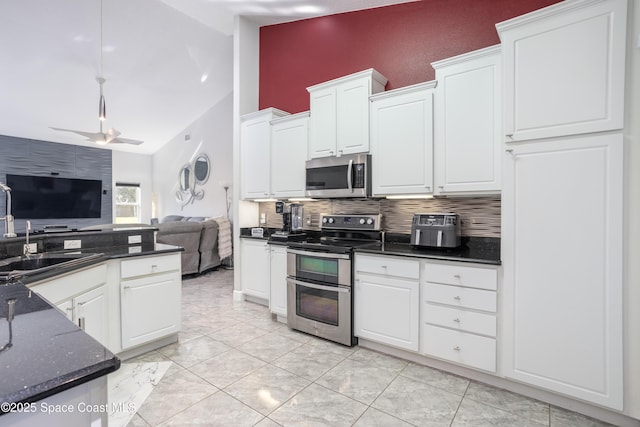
(350, 222)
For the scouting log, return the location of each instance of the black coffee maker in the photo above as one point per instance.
(292, 219)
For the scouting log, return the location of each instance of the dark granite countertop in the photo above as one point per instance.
(41, 352)
(483, 250)
(95, 256)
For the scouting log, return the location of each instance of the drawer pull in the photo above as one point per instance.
(457, 276)
(456, 348)
(457, 298)
(456, 320)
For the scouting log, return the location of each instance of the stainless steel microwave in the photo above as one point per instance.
(344, 176)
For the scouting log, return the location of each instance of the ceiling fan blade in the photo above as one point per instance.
(91, 135)
(125, 141)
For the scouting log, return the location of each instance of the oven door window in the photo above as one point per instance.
(317, 304)
(317, 268)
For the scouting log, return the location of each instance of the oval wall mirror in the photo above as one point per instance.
(201, 168)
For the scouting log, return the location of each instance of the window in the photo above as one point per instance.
(127, 201)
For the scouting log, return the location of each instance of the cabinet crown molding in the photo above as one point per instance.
(563, 7)
(402, 90)
(266, 113)
(487, 51)
(290, 117)
(372, 73)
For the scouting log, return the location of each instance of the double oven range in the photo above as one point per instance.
(320, 276)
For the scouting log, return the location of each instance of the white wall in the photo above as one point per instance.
(211, 134)
(246, 48)
(136, 169)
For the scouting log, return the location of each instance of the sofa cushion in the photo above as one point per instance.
(172, 218)
(180, 233)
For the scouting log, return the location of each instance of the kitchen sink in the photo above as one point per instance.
(32, 264)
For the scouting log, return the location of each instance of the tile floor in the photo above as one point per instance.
(236, 366)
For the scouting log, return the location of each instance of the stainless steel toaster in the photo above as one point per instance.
(438, 230)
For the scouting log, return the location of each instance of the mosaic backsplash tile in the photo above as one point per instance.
(480, 216)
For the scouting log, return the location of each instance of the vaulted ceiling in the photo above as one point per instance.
(166, 62)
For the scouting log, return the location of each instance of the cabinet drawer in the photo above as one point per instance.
(460, 319)
(149, 265)
(453, 274)
(460, 297)
(459, 347)
(388, 266)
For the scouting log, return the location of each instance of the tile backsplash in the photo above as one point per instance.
(480, 216)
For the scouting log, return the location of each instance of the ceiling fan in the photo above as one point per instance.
(112, 135)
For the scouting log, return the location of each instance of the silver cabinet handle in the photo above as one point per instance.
(457, 276)
(349, 176)
(456, 320)
(457, 298)
(456, 348)
(509, 135)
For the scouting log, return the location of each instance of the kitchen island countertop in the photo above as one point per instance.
(42, 353)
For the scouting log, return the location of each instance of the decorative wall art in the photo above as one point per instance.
(189, 177)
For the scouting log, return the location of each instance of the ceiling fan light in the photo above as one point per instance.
(102, 109)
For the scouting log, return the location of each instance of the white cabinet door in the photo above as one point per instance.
(278, 274)
(402, 141)
(562, 257)
(150, 308)
(91, 314)
(386, 310)
(322, 123)
(352, 106)
(564, 70)
(255, 145)
(339, 116)
(255, 273)
(67, 308)
(289, 136)
(468, 123)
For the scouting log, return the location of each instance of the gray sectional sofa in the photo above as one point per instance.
(197, 235)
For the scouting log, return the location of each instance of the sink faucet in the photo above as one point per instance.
(9, 231)
(27, 248)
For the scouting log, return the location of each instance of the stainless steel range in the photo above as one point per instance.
(320, 276)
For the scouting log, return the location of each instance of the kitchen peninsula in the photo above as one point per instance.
(82, 307)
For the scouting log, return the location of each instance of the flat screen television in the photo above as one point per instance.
(47, 197)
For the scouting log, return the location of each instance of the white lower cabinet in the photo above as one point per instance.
(82, 296)
(386, 306)
(278, 275)
(150, 294)
(458, 314)
(255, 275)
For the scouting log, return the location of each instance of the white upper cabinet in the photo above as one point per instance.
(255, 146)
(564, 69)
(402, 140)
(339, 121)
(289, 136)
(562, 257)
(468, 126)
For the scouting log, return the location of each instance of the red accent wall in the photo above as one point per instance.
(400, 41)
